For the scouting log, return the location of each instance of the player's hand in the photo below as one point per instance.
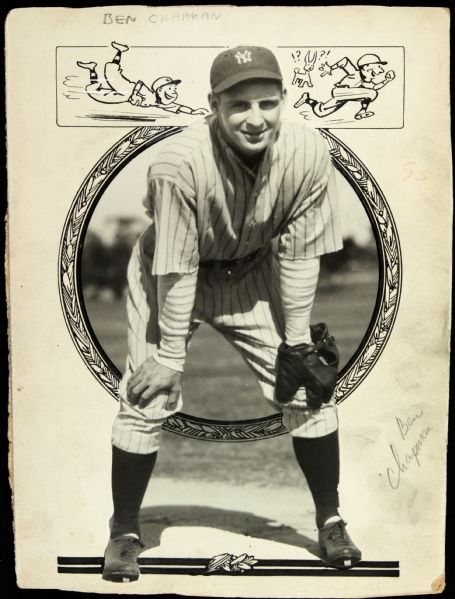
(390, 75)
(200, 111)
(151, 379)
(135, 99)
(326, 69)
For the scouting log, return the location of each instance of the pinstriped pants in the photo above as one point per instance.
(248, 313)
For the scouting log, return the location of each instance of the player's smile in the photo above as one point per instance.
(249, 114)
(168, 94)
(254, 136)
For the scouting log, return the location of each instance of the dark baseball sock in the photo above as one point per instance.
(117, 57)
(319, 459)
(130, 475)
(93, 76)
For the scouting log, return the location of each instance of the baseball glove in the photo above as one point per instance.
(313, 366)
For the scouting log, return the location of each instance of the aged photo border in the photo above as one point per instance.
(99, 364)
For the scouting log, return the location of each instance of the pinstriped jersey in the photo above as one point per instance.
(207, 204)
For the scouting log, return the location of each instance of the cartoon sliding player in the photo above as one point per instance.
(360, 84)
(117, 88)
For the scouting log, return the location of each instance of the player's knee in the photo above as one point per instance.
(309, 423)
(372, 95)
(132, 438)
(304, 432)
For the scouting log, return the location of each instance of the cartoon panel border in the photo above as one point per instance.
(360, 365)
(377, 48)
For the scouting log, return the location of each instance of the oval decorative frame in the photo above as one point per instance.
(96, 360)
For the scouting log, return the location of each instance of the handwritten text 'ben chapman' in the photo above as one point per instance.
(406, 457)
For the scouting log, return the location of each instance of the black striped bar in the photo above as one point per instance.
(256, 572)
(264, 567)
(192, 561)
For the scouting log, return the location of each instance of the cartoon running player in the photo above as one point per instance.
(360, 84)
(117, 88)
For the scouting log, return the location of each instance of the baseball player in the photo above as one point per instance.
(360, 84)
(242, 206)
(117, 88)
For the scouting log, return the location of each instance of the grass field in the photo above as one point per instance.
(217, 384)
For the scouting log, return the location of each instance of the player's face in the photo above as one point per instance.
(168, 93)
(249, 114)
(373, 73)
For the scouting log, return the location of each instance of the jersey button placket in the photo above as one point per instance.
(260, 179)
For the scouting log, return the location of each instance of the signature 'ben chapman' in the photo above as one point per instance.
(410, 457)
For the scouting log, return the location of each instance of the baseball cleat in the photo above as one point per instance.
(86, 65)
(120, 559)
(338, 548)
(302, 100)
(121, 47)
(363, 114)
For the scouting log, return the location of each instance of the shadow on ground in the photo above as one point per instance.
(154, 520)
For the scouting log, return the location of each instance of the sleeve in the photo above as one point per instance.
(314, 225)
(175, 108)
(174, 214)
(185, 109)
(298, 283)
(176, 295)
(346, 65)
(148, 97)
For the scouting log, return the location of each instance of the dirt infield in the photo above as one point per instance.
(227, 518)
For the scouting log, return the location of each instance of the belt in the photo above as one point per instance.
(229, 264)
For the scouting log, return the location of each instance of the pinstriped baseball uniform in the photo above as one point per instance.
(206, 206)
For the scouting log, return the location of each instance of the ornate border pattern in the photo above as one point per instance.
(99, 364)
(376, 206)
(215, 430)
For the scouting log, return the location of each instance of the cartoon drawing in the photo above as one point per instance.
(302, 76)
(117, 88)
(231, 563)
(360, 84)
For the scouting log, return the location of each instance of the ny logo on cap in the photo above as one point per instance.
(243, 57)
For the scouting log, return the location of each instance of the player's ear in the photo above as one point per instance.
(284, 96)
(213, 102)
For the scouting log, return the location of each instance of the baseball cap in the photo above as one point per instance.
(369, 59)
(163, 81)
(242, 63)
